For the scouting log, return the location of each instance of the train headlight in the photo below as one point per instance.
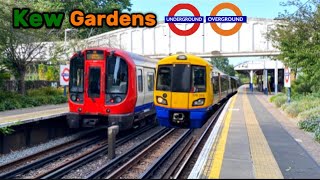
(161, 100)
(198, 102)
(182, 57)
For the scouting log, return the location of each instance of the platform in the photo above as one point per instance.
(254, 139)
(27, 115)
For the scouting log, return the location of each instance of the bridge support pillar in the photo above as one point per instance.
(251, 80)
(265, 81)
(276, 78)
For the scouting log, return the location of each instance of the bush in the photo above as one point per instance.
(280, 100)
(34, 97)
(11, 104)
(317, 134)
(60, 99)
(45, 91)
(293, 109)
(309, 125)
(2, 108)
(296, 107)
(310, 114)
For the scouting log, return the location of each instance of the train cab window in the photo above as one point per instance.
(94, 82)
(164, 78)
(117, 76)
(140, 80)
(181, 78)
(150, 79)
(76, 75)
(198, 79)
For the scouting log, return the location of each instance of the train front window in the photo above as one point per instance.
(94, 82)
(198, 79)
(181, 78)
(164, 78)
(117, 76)
(76, 75)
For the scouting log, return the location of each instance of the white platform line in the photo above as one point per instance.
(204, 155)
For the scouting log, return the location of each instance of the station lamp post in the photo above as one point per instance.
(65, 39)
(64, 49)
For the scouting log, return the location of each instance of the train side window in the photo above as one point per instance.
(150, 78)
(140, 81)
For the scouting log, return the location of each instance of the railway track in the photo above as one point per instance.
(63, 168)
(124, 158)
(150, 159)
(181, 168)
(147, 158)
(36, 160)
(179, 163)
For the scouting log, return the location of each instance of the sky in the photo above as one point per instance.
(250, 8)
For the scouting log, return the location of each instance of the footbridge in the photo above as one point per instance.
(160, 41)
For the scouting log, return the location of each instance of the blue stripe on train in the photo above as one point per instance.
(143, 107)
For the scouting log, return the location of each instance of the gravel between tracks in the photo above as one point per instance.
(84, 171)
(152, 155)
(59, 162)
(7, 158)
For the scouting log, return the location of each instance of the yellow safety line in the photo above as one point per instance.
(33, 115)
(264, 163)
(219, 152)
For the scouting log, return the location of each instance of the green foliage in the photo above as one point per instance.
(35, 97)
(279, 99)
(302, 85)
(309, 125)
(45, 91)
(317, 134)
(243, 78)
(48, 72)
(52, 73)
(31, 43)
(41, 71)
(222, 63)
(296, 107)
(6, 130)
(273, 98)
(297, 37)
(310, 114)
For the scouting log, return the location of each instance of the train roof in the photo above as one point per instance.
(138, 59)
(183, 58)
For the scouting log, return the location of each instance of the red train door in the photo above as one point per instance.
(94, 96)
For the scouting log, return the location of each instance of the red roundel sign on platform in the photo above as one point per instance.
(64, 75)
(287, 77)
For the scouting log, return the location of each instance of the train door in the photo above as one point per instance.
(140, 87)
(149, 85)
(94, 94)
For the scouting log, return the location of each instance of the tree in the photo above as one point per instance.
(298, 39)
(20, 47)
(222, 63)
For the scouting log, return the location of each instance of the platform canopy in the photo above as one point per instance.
(259, 64)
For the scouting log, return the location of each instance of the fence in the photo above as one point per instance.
(13, 85)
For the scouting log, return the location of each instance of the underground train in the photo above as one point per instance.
(110, 86)
(188, 89)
